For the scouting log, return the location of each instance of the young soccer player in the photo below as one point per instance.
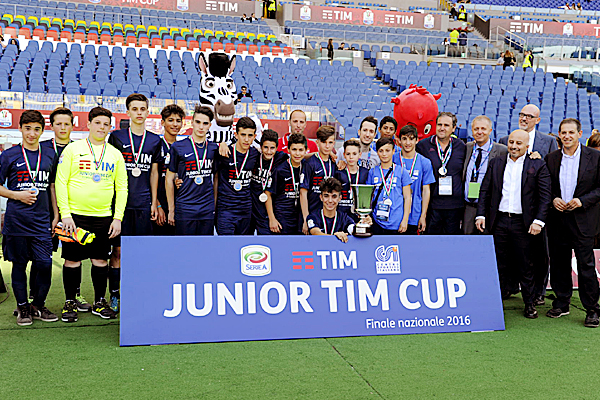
(172, 117)
(141, 150)
(90, 175)
(388, 127)
(192, 208)
(366, 133)
(234, 203)
(314, 170)
(27, 181)
(261, 179)
(329, 220)
(283, 193)
(421, 174)
(392, 198)
(352, 174)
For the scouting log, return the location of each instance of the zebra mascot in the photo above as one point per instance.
(217, 91)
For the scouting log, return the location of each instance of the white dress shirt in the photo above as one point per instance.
(531, 140)
(569, 170)
(511, 186)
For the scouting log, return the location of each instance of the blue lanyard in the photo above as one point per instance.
(476, 172)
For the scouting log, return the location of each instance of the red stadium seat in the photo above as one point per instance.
(264, 50)
(181, 44)
(105, 38)
(92, 37)
(169, 43)
(241, 48)
(25, 32)
(193, 45)
(79, 36)
(204, 46)
(157, 42)
(229, 47)
(39, 33)
(287, 51)
(252, 49)
(276, 51)
(217, 46)
(66, 35)
(131, 40)
(12, 31)
(52, 34)
(118, 40)
(144, 41)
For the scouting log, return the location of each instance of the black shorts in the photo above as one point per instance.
(135, 223)
(22, 249)
(202, 227)
(99, 248)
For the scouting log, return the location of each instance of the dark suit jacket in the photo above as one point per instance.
(542, 143)
(535, 191)
(587, 189)
(498, 150)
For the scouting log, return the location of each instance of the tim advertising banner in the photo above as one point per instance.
(216, 289)
(340, 15)
(567, 29)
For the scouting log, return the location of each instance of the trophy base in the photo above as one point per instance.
(362, 231)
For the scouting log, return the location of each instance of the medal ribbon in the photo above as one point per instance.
(387, 188)
(325, 172)
(136, 157)
(446, 157)
(94, 155)
(264, 182)
(325, 223)
(350, 178)
(237, 173)
(293, 178)
(167, 143)
(198, 164)
(412, 167)
(37, 167)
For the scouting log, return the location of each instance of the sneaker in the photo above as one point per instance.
(591, 320)
(69, 311)
(102, 310)
(24, 315)
(530, 311)
(43, 314)
(114, 303)
(539, 301)
(82, 304)
(556, 313)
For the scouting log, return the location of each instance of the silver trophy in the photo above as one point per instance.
(363, 195)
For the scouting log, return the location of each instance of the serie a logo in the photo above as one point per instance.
(255, 260)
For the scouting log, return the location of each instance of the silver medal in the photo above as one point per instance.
(387, 202)
(263, 197)
(237, 186)
(198, 180)
(136, 172)
(34, 190)
(443, 171)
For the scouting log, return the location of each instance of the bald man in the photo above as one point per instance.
(513, 204)
(297, 125)
(542, 144)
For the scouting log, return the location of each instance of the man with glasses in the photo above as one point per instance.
(542, 144)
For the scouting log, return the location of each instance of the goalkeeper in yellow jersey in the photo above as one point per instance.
(90, 175)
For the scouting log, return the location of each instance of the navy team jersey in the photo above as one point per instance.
(285, 196)
(163, 166)
(138, 196)
(310, 179)
(238, 201)
(50, 144)
(342, 224)
(22, 219)
(260, 175)
(347, 199)
(192, 201)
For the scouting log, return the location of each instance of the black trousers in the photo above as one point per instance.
(445, 222)
(541, 262)
(564, 238)
(512, 243)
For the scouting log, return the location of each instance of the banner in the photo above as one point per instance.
(214, 289)
(233, 8)
(566, 29)
(155, 4)
(353, 16)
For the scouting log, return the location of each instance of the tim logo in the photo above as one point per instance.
(256, 260)
(387, 259)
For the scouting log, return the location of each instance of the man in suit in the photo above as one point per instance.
(573, 221)
(447, 156)
(479, 153)
(542, 144)
(513, 203)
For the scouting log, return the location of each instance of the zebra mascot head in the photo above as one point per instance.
(217, 89)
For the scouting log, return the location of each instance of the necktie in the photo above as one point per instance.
(477, 165)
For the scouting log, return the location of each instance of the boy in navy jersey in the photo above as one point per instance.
(27, 171)
(421, 174)
(283, 193)
(172, 117)
(234, 203)
(141, 150)
(192, 208)
(392, 198)
(314, 170)
(352, 174)
(261, 180)
(329, 220)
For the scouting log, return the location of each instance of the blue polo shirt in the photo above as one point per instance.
(422, 174)
(427, 147)
(399, 178)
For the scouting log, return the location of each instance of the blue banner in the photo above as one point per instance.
(215, 289)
